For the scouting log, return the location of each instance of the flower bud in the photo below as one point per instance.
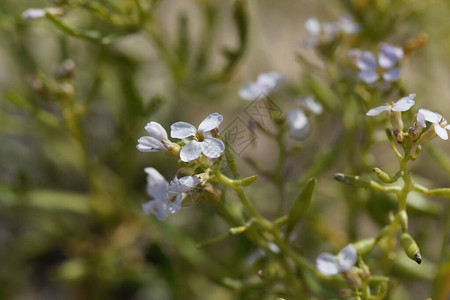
(416, 152)
(364, 246)
(403, 218)
(410, 247)
(395, 117)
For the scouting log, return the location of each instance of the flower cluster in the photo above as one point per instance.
(440, 124)
(167, 197)
(371, 68)
(195, 142)
(328, 31)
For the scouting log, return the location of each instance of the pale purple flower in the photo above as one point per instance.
(167, 198)
(403, 104)
(202, 142)
(440, 125)
(264, 85)
(298, 124)
(370, 67)
(328, 264)
(156, 141)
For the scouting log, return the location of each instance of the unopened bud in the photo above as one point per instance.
(395, 117)
(403, 218)
(383, 176)
(398, 134)
(238, 230)
(364, 246)
(186, 171)
(416, 152)
(410, 247)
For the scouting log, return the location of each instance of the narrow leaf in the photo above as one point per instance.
(301, 205)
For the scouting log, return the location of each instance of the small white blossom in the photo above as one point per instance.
(298, 123)
(310, 105)
(167, 198)
(265, 84)
(33, 14)
(39, 13)
(156, 141)
(328, 264)
(440, 125)
(202, 142)
(403, 104)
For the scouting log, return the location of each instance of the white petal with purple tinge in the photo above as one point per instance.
(213, 147)
(191, 151)
(182, 130)
(211, 122)
(347, 258)
(377, 110)
(327, 264)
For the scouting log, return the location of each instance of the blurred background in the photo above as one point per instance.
(76, 92)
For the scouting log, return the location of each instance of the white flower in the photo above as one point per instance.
(265, 84)
(310, 105)
(39, 13)
(299, 124)
(328, 264)
(156, 141)
(167, 198)
(202, 142)
(33, 14)
(403, 104)
(440, 124)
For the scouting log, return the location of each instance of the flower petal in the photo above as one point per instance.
(430, 116)
(182, 130)
(389, 55)
(404, 103)
(312, 26)
(155, 130)
(191, 151)
(211, 122)
(391, 75)
(159, 208)
(181, 185)
(420, 119)
(156, 184)
(251, 91)
(149, 144)
(213, 147)
(367, 62)
(327, 264)
(299, 124)
(368, 76)
(441, 132)
(377, 110)
(447, 127)
(176, 204)
(347, 258)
